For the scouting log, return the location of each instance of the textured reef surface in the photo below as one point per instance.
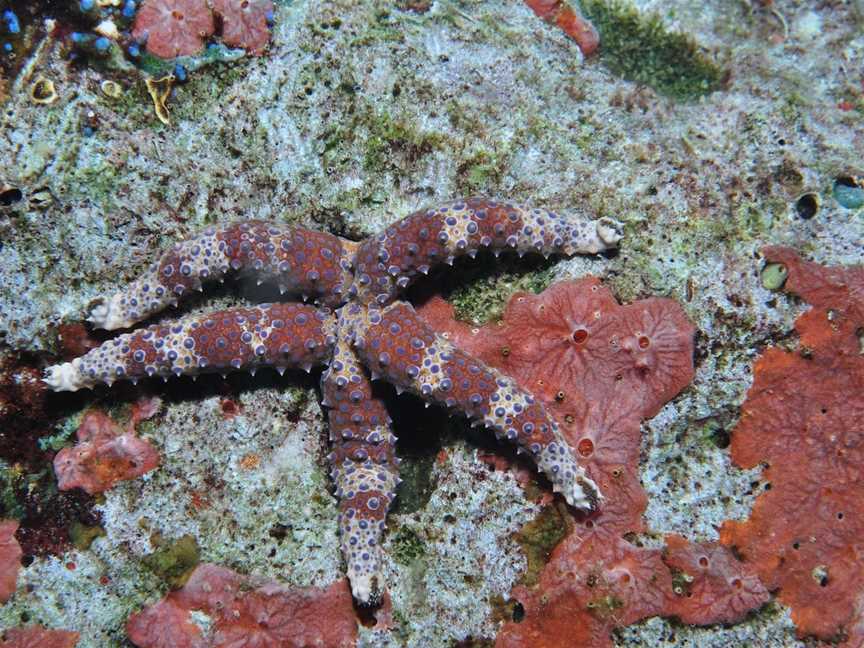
(726, 138)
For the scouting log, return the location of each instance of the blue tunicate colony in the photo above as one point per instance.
(101, 41)
(103, 35)
(12, 28)
(110, 41)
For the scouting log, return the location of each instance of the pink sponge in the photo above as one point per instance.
(173, 27)
(245, 23)
(105, 455)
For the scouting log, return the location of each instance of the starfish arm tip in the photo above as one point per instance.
(610, 232)
(365, 589)
(584, 495)
(111, 315)
(63, 377)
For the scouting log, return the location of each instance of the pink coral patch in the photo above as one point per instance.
(144, 409)
(244, 23)
(587, 590)
(173, 27)
(802, 421)
(165, 625)
(837, 297)
(711, 585)
(245, 616)
(599, 367)
(37, 637)
(10, 559)
(588, 344)
(104, 455)
(210, 587)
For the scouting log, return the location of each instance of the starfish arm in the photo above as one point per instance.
(390, 261)
(269, 335)
(396, 343)
(363, 466)
(298, 260)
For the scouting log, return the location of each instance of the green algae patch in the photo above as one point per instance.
(82, 536)
(417, 483)
(481, 170)
(63, 438)
(174, 561)
(384, 27)
(11, 480)
(638, 47)
(385, 142)
(407, 547)
(485, 299)
(99, 183)
(604, 607)
(18, 485)
(774, 276)
(388, 135)
(538, 538)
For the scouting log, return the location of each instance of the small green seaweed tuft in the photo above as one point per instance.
(481, 171)
(11, 480)
(384, 27)
(604, 607)
(484, 299)
(407, 546)
(82, 536)
(640, 48)
(388, 135)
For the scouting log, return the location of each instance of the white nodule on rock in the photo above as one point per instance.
(808, 26)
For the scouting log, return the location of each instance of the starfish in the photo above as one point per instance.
(359, 331)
